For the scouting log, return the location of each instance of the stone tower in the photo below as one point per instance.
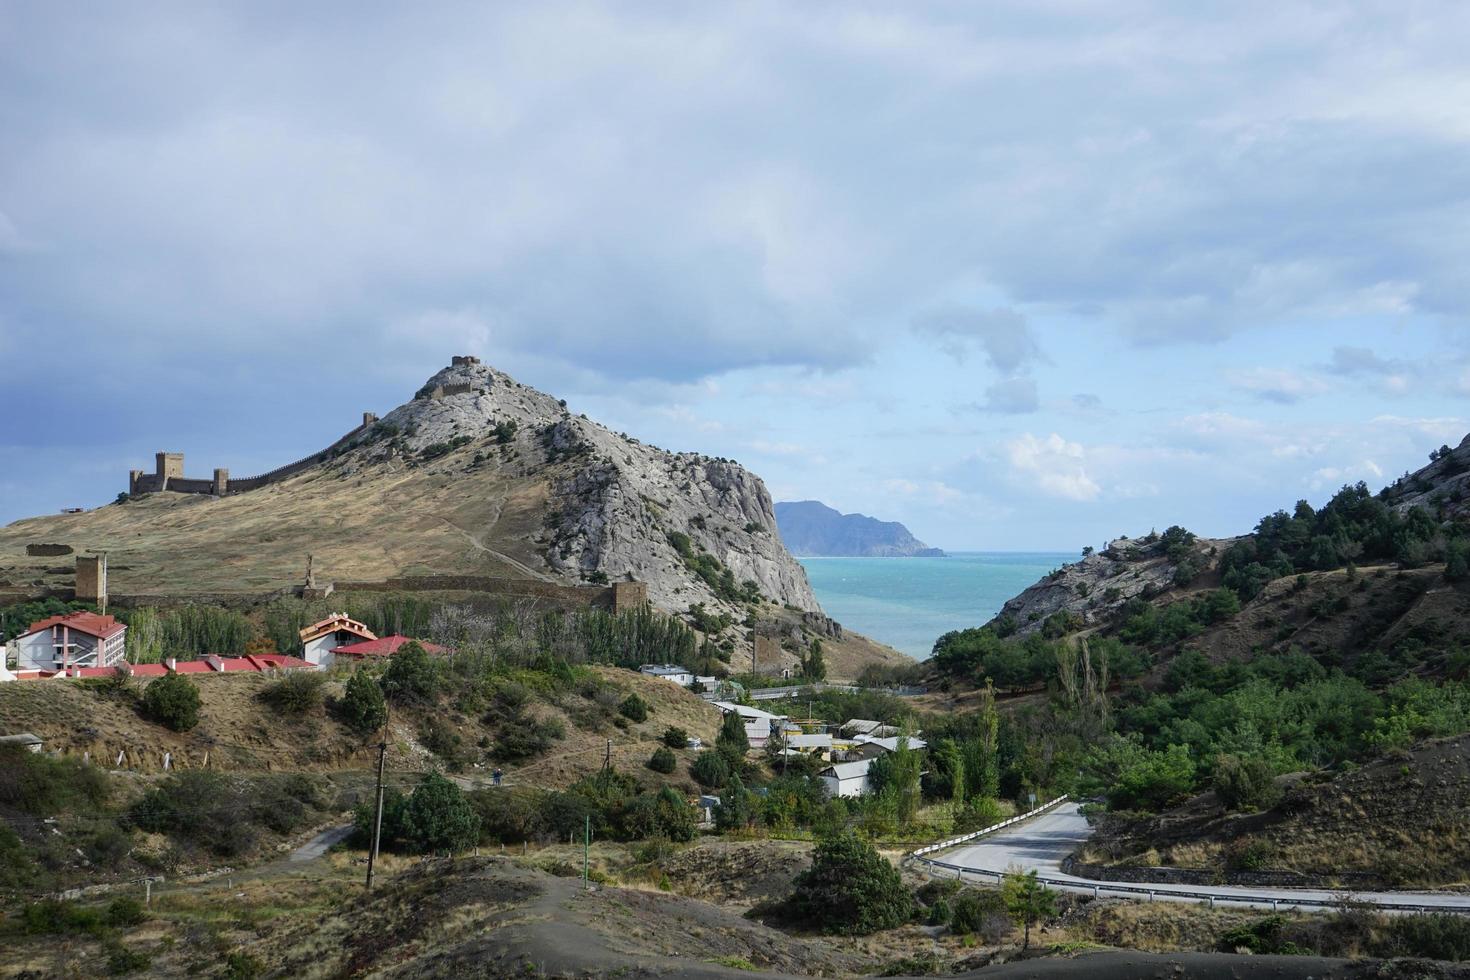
(92, 579)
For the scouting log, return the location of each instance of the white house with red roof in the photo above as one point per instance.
(383, 646)
(319, 641)
(79, 639)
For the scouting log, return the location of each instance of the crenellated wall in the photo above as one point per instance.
(169, 471)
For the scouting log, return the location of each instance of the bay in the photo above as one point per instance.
(908, 603)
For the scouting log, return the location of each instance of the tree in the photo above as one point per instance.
(437, 817)
(1027, 901)
(363, 708)
(172, 700)
(634, 708)
(675, 738)
(732, 741)
(850, 889)
(711, 769)
(734, 811)
(663, 760)
(1245, 783)
(411, 675)
(814, 664)
(899, 771)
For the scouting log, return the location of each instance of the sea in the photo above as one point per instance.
(908, 603)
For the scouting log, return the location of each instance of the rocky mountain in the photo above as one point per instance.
(477, 474)
(811, 528)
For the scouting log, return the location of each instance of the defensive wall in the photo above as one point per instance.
(617, 597)
(168, 471)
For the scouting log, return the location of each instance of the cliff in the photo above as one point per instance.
(476, 475)
(811, 528)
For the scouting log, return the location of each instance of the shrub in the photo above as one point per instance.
(1245, 784)
(43, 785)
(732, 741)
(363, 708)
(939, 913)
(663, 760)
(437, 817)
(297, 693)
(977, 912)
(172, 701)
(734, 811)
(1436, 936)
(850, 889)
(634, 708)
(711, 769)
(125, 911)
(412, 675)
(675, 738)
(1027, 901)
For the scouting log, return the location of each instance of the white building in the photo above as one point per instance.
(79, 639)
(319, 640)
(682, 676)
(846, 778)
(758, 723)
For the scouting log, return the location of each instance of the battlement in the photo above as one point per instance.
(168, 473)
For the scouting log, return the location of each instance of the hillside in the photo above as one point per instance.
(811, 528)
(493, 478)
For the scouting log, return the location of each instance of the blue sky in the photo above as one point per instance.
(1022, 276)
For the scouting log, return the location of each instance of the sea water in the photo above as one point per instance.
(909, 603)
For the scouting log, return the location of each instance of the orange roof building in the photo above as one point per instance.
(319, 641)
(78, 639)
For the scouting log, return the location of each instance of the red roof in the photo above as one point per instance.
(258, 662)
(102, 627)
(384, 647)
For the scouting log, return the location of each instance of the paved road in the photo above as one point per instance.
(1042, 843)
(320, 844)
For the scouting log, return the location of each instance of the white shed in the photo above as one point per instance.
(846, 778)
(682, 676)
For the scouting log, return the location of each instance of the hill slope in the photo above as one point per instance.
(810, 527)
(496, 479)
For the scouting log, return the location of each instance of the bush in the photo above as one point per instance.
(663, 760)
(172, 701)
(850, 889)
(1245, 784)
(438, 819)
(634, 708)
(732, 740)
(297, 693)
(412, 675)
(675, 738)
(711, 769)
(1436, 936)
(43, 785)
(363, 708)
(125, 911)
(939, 913)
(982, 912)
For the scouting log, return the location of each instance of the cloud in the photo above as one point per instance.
(1011, 396)
(1052, 465)
(1003, 334)
(1350, 361)
(1276, 384)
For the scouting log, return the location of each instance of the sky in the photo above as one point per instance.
(1022, 276)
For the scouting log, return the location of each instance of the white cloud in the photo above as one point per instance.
(1276, 384)
(1011, 396)
(1053, 465)
(1003, 334)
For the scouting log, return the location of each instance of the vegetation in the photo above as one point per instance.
(850, 889)
(436, 818)
(363, 707)
(299, 692)
(663, 760)
(172, 701)
(1027, 901)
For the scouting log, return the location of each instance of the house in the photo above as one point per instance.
(319, 641)
(79, 639)
(869, 746)
(383, 646)
(212, 664)
(804, 743)
(854, 727)
(682, 676)
(758, 724)
(846, 778)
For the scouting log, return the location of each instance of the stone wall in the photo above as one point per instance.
(603, 596)
(47, 550)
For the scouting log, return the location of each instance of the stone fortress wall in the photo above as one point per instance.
(168, 471)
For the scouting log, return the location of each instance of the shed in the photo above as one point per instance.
(846, 778)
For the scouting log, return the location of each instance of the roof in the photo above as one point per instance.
(664, 670)
(848, 770)
(383, 646)
(861, 726)
(259, 662)
(743, 710)
(102, 627)
(809, 741)
(891, 744)
(24, 738)
(336, 623)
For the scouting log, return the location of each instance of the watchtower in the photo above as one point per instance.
(169, 466)
(92, 579)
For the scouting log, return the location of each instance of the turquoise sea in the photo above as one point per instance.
(909, 603)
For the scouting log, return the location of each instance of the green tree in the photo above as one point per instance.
(438, 819)
(363, 708)
(711, 769)
(675, 738)
(1245, 783)
(732, 741)
(412, 675)
(634, 708)
(734, 811)
(1027, 901)
(850, 889)
(172, 700)
(663, 760)
(814, 664)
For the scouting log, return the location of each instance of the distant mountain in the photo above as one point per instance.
(811, 528)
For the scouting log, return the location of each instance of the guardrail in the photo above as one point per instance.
(1099, 888)
(776, 693)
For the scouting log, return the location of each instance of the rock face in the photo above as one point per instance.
(617, 507)
(1092, 590)
(811, 528)
(1442, 488)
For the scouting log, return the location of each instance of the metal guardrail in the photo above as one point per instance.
(777, 693)
(1099, 888)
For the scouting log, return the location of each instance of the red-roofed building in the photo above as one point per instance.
(319, 641)
(79, 639)
(210, 664)
(384, 646)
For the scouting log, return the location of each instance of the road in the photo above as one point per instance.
(1043, 842)
(320, 844)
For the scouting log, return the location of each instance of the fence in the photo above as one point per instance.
(1099, 888)
(777, 693)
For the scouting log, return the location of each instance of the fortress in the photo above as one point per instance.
(168, 471)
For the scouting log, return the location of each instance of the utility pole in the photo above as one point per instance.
(586, 842)
(607, 757)
(378, 819)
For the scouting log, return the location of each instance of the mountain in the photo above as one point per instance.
(811, 528)
(476, 475)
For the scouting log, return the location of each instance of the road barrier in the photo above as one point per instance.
(1134, 891)
(777, 693)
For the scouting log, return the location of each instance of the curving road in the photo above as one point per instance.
(1042, 843)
